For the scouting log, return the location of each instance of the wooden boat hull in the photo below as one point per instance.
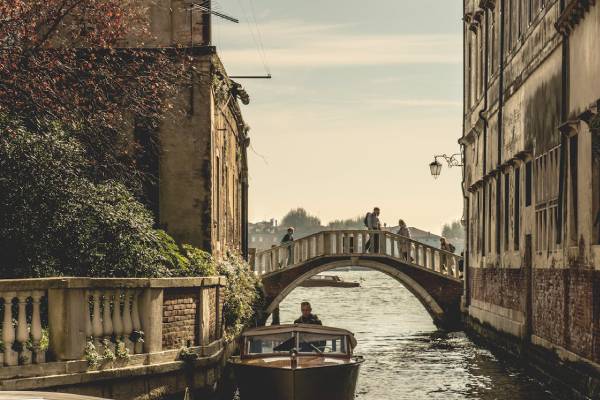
(326, 283)
(330, 382)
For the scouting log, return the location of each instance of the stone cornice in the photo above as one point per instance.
(572, 14)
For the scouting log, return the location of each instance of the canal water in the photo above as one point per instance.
(406, 357)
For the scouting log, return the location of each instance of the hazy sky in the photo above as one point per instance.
(363, 94)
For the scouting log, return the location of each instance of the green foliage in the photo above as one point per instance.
(350, 223)
(300, 218)
(121, 350)
(454, 230)
(243, 294)
(187, 355)
(107, 353)
(55, 220)
(91, 355)
(200, 262)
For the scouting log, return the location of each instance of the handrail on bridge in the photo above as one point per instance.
(357, 243)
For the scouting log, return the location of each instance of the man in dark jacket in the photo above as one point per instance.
(288, 240)
(307, 316)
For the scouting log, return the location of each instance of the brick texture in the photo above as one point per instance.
(499, 286)
(548, 304)
(180, 318)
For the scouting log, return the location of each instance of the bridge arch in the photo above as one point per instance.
(429, 303)
(430, 274)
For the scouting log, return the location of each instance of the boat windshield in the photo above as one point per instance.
(321, 343)
(271, 344)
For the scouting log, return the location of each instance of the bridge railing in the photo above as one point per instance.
(358, 242)
(58, 319)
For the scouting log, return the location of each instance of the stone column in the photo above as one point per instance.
(151, 315)
(66, 319)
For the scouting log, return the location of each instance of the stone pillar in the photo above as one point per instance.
(66, 319)
(151, 315)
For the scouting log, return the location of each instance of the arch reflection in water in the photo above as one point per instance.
(407, 357)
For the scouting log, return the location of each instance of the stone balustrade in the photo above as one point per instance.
(358, 243)
(140, 315)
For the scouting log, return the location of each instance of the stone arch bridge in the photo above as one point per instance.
(430, 274)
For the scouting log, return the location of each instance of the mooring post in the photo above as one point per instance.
(275, 317)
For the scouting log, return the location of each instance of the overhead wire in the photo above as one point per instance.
(252, 34)
(260, 38)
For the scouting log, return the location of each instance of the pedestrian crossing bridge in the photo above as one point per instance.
(431, 274)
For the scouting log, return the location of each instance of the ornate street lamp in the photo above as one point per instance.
(436, 168)
(455, 160)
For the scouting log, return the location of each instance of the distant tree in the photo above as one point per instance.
(300, 218)
(453, 230)
(350, 223)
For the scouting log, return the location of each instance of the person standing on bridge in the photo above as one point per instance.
(404, 244)
(307, 316)
(288, 240)
(373, 224)
(445, 259)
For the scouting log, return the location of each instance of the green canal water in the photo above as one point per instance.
(406, 357)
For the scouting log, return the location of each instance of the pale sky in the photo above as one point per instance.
(363, 95)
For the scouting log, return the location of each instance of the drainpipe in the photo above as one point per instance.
(564, 110)
(245, 144)
(483, 118)
(500, 82)
(465, 196)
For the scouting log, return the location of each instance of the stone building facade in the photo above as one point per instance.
(201, 191)
(531, 175)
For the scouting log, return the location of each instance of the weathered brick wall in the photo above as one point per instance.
(548, 304)
(503, 287)
(580, 312)
(180, 318)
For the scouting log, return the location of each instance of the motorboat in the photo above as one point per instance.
(296, 362)
(328, 281)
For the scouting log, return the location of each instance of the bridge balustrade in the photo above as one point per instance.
(69, 314)
(358, 243)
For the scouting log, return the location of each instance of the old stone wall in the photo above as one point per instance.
(503, 287)
(180, 319)
(530, 173)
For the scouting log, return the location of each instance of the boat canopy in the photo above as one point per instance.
(300, 328)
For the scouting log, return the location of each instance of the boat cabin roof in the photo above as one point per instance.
(302, 328)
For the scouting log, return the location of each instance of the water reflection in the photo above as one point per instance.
(406, 357)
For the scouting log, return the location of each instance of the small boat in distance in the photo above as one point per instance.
(296, 362)
(328, 281)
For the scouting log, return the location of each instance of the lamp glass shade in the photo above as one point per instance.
(436, 169)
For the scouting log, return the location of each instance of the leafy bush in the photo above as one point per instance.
(55, 220)
(243, 294)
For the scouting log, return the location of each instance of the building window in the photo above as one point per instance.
(497, 213)
(509, 12)
(573, 204)
(469, 71)
(517, 208)
(546, 195)
(506, 209)
(528, 182)
(493, 42)
(489, 216)
(481, 62)
(596, 188)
